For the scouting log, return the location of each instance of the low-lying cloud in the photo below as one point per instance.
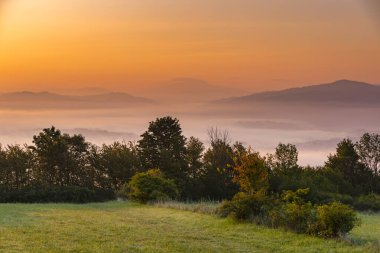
(269, 124)
(100, 136)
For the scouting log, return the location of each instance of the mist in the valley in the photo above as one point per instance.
(314, 118)
(315, 131)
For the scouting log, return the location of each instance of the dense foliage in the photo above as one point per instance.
(291, 212)
(55, 194)
(334, 220)
(63, 168)
(58, 163)
(149, 186)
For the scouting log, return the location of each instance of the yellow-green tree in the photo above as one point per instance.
(251, 172)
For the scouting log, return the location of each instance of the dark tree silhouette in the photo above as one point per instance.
(369, 151)
(346, 163)
(218, 162)
(120, 161)
(163, 146)
(60, 159)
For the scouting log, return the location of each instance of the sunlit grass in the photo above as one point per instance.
(128, 227)
(205, 207)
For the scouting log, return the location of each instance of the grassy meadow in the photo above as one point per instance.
(128, 227)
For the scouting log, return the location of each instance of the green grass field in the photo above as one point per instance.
(127, 227)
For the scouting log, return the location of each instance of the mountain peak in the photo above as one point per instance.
(31, 93)
(43, 100)
(339, 92)
(350, 83)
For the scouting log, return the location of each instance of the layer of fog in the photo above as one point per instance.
(315, 131)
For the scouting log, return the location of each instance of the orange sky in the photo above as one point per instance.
(128, 44)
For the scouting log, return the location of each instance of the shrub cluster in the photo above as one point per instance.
(244, 206)
(149, 186)
(333, 220)
(291, 212)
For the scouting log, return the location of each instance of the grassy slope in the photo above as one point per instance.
(123, 227)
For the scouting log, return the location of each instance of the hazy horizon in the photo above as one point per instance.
(151, 92)
(314, 145)
(315, 125)
(183, 56)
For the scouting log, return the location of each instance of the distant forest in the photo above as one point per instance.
(59, 167)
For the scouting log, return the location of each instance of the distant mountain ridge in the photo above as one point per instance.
(46, 100)
(192, 90)
(339, 92)
(342, 92)
(82, 91)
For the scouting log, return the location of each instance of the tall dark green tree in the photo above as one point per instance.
(50, 151)
(98, 169)
(368, 148)
(346, 164)
(285, 172)
(285, 159)
(77, 171)
(60, 159)
(195, 169)
(218, 161)
(120, 161)
(163, 146)
(194, 156)
(19, 166)
(3, 168)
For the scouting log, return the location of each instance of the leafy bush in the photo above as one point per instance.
(369, 202)
(333, 220)
(292, 212)
(263, 209)
(297, 213)
(244, 206)
(149, 186)
(298, 217)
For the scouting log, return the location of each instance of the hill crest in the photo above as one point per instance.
(340, 92)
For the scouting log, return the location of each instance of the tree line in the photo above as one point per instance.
(66, 168)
